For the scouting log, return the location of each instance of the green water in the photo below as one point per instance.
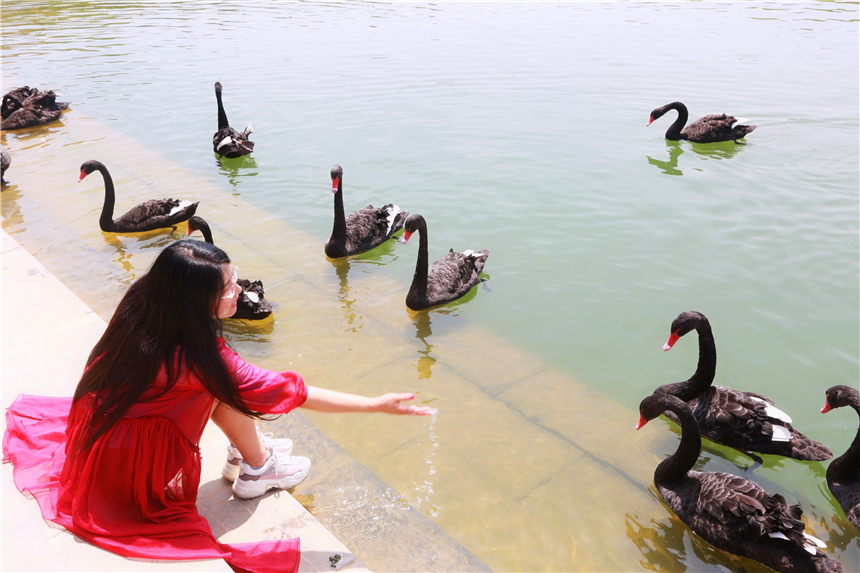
(516, 128)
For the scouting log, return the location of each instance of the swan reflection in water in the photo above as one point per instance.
(129, 245)
(236, 169)
(665, 544)
(341, 267)
(12, 214)
(422, 333)
(669, 167)
(704, 151)
(381, 255)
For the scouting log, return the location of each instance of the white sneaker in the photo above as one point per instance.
(279, 472)
(231, 467)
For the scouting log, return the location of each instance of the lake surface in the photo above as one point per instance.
(519, 128)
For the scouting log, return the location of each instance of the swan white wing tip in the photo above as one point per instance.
(778, 535)
(772, 411)
(740, 120)
(254, 297)
(226, 141)
(391, 216)
(182, 205)
(780, 434)
(815, 540)
(468, 253)
(249, 130)
(776, 413)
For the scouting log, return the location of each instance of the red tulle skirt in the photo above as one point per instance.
(134, 491)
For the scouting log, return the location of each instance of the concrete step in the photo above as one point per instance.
(45, 345)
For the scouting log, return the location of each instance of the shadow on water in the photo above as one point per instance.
(719, 150)
(236, 169)
(348, 294)
(383, 254)
(341, 267)
(242, 330)
(422, 332)
(669, 167)
(666, 543)
(127, 246)
(705, 151)
(11, 193)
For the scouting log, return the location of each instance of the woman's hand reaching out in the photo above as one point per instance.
(393, 403)
(323, 400)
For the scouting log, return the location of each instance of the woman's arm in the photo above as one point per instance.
(322, 400)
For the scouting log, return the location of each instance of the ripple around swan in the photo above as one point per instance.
(507, 132)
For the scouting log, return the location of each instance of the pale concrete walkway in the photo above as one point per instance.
(47, 333)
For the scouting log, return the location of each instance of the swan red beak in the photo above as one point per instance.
(642, 421)
(406, 236)
(83, 174)
(650, 121)
(826, 408)
(673, 338)
(334, 183)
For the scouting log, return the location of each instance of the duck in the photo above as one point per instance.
(744, 421)
(251, 304)
(709, 129)
(445, 280)
(843, 473)
(28, 107)
(228, 142)
(730, 512)
(364, 229)
(149, 215)
(5, 162)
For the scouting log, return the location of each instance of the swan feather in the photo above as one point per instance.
(772, 411)
(780, 434)
(182, 205)
(392, 214)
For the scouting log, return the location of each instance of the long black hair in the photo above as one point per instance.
(168, 317)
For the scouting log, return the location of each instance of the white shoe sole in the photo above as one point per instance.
(231, 471)
(248, 489)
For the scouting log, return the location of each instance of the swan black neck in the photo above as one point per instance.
(338, 231)
(222, 115)
(419, 280)
(106, 222)
(203, 227)
(676, 466)
(674, 131)
(847, 466)
(706, 369)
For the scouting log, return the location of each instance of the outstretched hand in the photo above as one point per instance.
(393, 403)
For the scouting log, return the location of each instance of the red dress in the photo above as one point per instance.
(134, 491)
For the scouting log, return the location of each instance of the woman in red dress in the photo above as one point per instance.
(119, 464)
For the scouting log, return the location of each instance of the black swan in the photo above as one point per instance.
(730, 512)
(149, 215)
(445, 280)
(26, 107)
(843, 473)
(5, 162)
(364, 229)
(251, 304)
(742, 420)
(228, 142)
(709, 129)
